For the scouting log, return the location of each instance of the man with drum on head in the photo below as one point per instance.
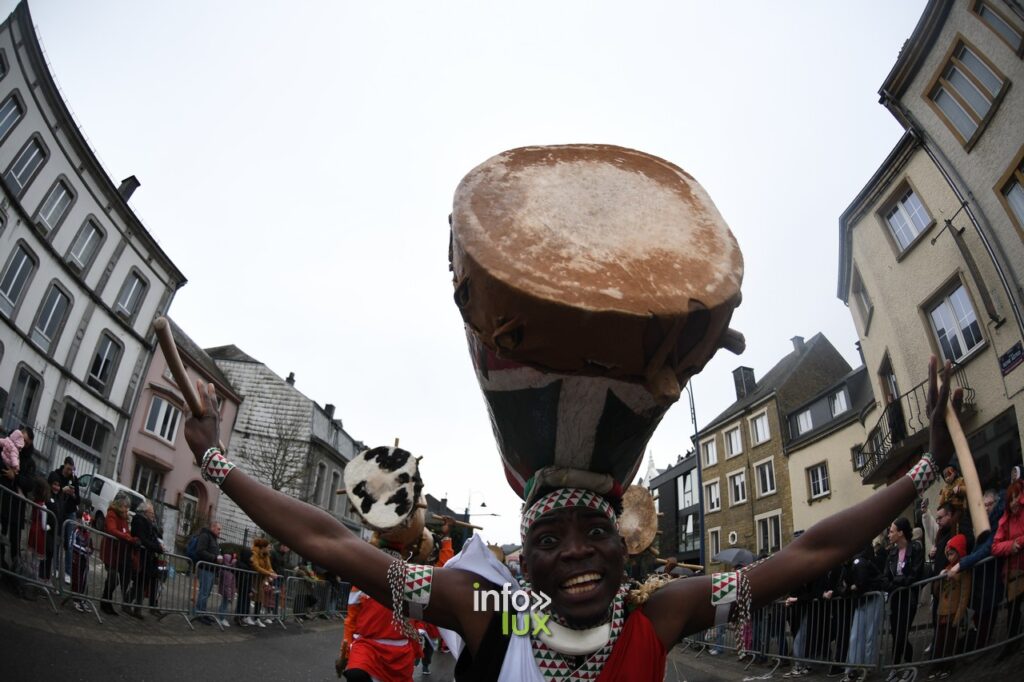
(572, 424)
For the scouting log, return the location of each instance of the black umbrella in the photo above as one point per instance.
(734, 556)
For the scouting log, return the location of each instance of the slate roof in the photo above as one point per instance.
(786, 374)
(862, 395)
(231, 353)
(199, 357)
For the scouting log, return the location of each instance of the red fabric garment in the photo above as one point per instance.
(638, 655)
(115, 552)
(37, 530)
(1011, 527)
(385, 662)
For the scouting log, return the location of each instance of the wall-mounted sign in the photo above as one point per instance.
(1009, 360)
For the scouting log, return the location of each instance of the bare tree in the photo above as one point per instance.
(280, 456)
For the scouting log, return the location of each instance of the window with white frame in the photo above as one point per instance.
(78, 424)
(686, 489)
(712, 497)
(759, 432)
(738, 487)
(765, 477)
(1013, 193)
(21, 171)
(318, 483)
(51, 316)
(837, 402)
(131, 294)
(10, 113)
(769, 532)
(85, 246)
(733, 442)
(104, 363)
(817, 480)
(163, 418)
(955, 324)
(1000, 23)
(709, 452)
(148, 480)
(15, 277)
(803, 422)
(714, 542)
(907, 218)
(965, 90)
(861, 298)
(858, 457)
(54, 207)
(332, 497)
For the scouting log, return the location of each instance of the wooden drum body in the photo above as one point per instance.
(594, 281)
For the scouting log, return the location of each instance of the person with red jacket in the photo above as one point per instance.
(1009, 542)
(116, 551)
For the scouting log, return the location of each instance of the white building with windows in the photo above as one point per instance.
(80, 276)
(931, 254)
(284, 439)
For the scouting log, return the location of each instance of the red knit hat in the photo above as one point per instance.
(958, 543)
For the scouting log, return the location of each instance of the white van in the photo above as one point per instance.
(100, 491)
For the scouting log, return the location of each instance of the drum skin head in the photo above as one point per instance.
(638, 523)
(384, 485)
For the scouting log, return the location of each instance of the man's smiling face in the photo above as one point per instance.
(576, 557)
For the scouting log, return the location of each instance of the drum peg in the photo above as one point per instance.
(339, 491)
(661, 514)
(733, 341)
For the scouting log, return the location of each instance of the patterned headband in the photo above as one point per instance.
(564, 498)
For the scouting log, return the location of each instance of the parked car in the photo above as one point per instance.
(100, 491)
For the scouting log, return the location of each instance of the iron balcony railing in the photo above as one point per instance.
(901, 420)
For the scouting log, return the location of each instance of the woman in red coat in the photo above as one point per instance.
(116, 551)
(1009, 542)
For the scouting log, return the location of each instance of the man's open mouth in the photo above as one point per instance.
(582, 583)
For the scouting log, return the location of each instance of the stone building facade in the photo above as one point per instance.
(747, 494)
(81, 278)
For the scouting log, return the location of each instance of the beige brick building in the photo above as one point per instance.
(746, 489)
(931, 253)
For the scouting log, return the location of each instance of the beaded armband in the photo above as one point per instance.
(215, 467)
(410, 585)
(923, 474)
(729, 590)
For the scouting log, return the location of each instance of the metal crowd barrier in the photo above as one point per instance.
(224, 592)
(31, 548)
(310, 598)
(897, 631)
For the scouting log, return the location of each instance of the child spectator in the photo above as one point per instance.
(226, 587)
(954, 490)
(11, 448)
(1009, 543)
(954, 595)
(39, 529)
(81, 549)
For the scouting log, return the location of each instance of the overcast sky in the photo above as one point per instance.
(298, 161)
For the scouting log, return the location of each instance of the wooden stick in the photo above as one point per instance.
(396, 442)
(456, 522)
(339, 491)
(975, 503)
(692, 567)
(170, 351)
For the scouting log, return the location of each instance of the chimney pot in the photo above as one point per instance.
(291, 379)
(329, 410)
(128, 187)
(798, 343)
(743, 377)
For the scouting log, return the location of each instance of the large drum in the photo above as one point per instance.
(594, 281)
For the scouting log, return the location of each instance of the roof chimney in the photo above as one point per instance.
(798, 344)
(291, 379)
(128, 187)
(329, 410)
(743, 377)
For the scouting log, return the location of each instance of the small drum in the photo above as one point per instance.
(385, 487)
(594, 281)
(638, 522)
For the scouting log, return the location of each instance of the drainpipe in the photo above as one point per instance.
(992, 246)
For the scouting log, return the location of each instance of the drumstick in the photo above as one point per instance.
(975, 503)
(456, 522)
(170, 350)
(692, 567)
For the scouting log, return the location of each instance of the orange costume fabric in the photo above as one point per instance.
(367, 621)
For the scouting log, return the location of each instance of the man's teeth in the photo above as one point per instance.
(579, 583)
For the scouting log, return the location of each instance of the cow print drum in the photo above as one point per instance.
(594, 281)
(384, 486)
